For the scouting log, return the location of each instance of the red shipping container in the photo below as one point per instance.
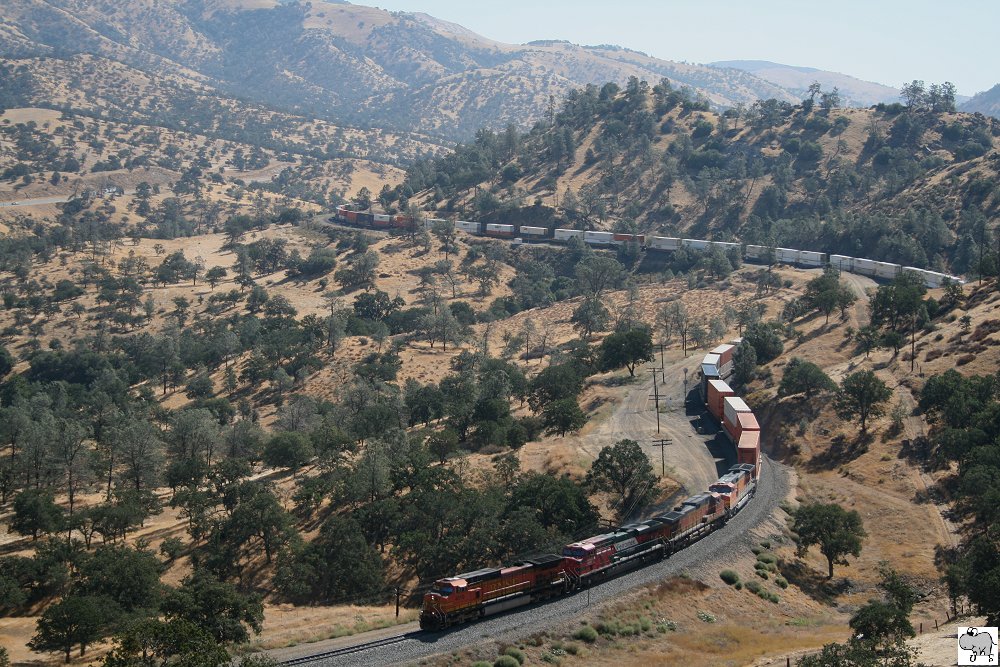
(744, 421)
(725, 353)
(718, 391)
(748, 447)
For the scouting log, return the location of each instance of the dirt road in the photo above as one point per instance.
(694, 459)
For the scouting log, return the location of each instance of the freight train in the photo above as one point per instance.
(472, 595)
(755, 253)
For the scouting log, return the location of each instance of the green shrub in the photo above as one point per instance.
(572, 649)
(609, 628)
(586, 634)
(762, 574)
(482, 663)
(781, 581)
(730, 577)
(171, 548)
(550, 658)
(739, 586)
(515, 653)
(645, 623)
(753, 587)
(666, 626)
(506, 661)
(773, 597)
(766, 544)
(706, 617)
(767, 557)
(756, 551)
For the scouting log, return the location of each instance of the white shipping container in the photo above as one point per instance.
(787, 255)
(695, 244)
(382, 218)
(598, 237)
(470, 227)
(663, 243)
(810, 258)
(933, 279)
(724, 245)
(886, 270)
(567, 234)
(733, 405)
(533, 231)
(842, 262)
(865, 267)
(710, 366)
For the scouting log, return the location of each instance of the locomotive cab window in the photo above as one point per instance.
(443, 590)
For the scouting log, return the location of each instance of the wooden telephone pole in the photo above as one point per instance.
(656, 398)
(662, 443)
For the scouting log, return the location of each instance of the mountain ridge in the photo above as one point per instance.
(348, 63)
(853, 90)
(987, 102)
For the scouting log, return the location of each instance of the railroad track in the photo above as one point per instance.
(347, 650)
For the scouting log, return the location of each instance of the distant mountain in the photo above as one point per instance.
(853, 91)
(986, 102)
(346, 63)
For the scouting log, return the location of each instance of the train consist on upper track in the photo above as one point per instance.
(757, 253)
(491, 590)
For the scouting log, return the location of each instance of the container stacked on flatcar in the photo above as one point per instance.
(533, 233)
(807, 258)
(718, 392)
(500, 231)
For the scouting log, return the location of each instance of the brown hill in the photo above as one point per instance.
(348, 62)
(906, 186)
(986, 102)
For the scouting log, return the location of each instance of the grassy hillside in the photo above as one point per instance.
(908, 185)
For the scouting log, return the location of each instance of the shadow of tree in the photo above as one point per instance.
(814, 583)
(841, 450)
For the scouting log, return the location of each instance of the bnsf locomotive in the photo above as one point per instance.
(472, 595)
(525, 234)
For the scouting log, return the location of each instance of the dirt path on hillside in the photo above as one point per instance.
(860, 286)
(693, 459)
(913, 424)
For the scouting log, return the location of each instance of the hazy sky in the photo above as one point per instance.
(888, 41)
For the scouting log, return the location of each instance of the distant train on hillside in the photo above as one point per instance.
(755, 253)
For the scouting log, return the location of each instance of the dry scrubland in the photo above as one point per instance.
(702, 621)
(155, 144)
(879, 483)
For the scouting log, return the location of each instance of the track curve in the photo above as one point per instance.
(513, 625)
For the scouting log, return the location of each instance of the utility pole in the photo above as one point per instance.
(662, 443)
(685, 385)
(662, 367)
(398, 591)
(656, 398)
